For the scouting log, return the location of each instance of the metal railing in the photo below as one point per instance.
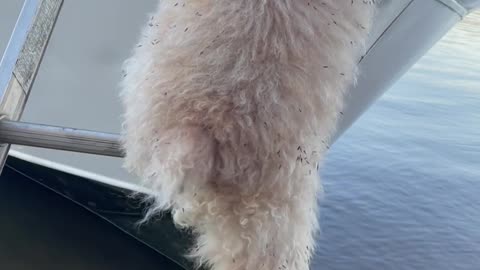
(60, 138)
(18, 69)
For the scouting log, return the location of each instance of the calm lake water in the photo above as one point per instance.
(402, 187)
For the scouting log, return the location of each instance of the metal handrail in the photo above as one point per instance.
(23, 56)
(60, 138)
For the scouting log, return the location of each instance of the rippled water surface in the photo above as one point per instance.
(403, 185)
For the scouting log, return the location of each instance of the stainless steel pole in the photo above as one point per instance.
(22, 57)
(60, 138)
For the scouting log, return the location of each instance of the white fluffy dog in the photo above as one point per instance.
(229, 107)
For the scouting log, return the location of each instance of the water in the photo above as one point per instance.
(402, 187)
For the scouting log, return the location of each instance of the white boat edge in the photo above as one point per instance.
(78, 172)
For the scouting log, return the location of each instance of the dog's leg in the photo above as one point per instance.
(267, 223)
(181, 163)
(255, 234)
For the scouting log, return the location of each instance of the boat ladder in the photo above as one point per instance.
(18, 69)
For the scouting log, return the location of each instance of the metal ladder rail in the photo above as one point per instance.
(60, 138)
(18, 69)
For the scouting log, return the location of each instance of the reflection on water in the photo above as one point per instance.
(403, 185)
(455, 61)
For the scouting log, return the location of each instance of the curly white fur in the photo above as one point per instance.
(229, 106)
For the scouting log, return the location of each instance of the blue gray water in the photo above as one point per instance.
(402, 187)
